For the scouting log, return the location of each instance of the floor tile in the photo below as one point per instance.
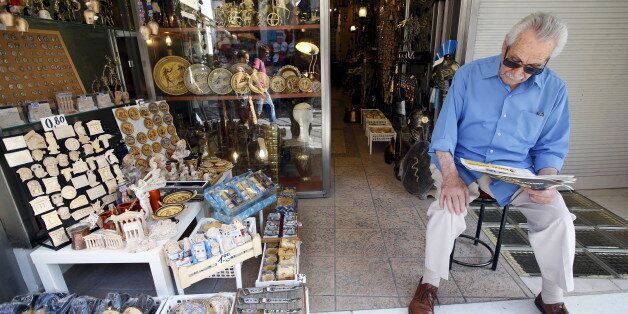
(621, 283)
(352, 200)
(399, 217)
(348, 161)
(359, 242)
(406, 242)
(355, 218)
(484, 282)
(320, 274)
(364, 277)
(443, 300)
(322, 303)
(365, 303)
(356, 171)
(316, 216)
(408, 272)
(317, 241)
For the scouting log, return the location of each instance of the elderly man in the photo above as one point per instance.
(509, 110)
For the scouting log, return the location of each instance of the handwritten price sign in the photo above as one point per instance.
(52, 122)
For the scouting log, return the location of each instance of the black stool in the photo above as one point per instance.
(483, 200)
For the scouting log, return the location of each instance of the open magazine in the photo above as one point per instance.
(521, 177)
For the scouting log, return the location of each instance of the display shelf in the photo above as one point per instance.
(74, 24)
(37, 124)
(240, 29)
(239, 97)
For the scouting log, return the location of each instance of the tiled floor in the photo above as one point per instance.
(363, 245)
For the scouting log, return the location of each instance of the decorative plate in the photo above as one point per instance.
(157, 119)
(234, 68)
(168, 74)
(121, 114)
(169, 211)
(147, 150)
(153, 108)
(141, 138)
(163, 106)
(162, 130)
(156, 147)
(129, 140)
(127, 128)
(133, 150)
(195, 79)
(134, 114)
(148, 123)
(305, 84)
(278, 84)
(172, 130)
(292, 84)
(220, 81)
(258, 82)
(289, 70)
(144, 112)
(178, 197)
(240, 83)
(142, 163)
(152, 134)
(165, 142)
(167, 119)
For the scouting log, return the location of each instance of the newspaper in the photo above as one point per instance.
(521, 177)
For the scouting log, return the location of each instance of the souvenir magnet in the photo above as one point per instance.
(64, 213)
(94, 127)
(112, 185)
(68, 192)
(104, 139)
(105, 174)
(62, 160)
(96, 192)
(57, 199)
(80, 182)
(72, 144)
(53, 147)
(37, 154)
(67, 174)
(51, 184)
(88, 148)
(34, 140)
(25, 174)
(78, 202)
(39, 171)
(79, 166)
(91, 178)
(74, 155)
(18, 158)
(13, 143)
(63, 131)
(41, 204)
(58, 236)
(34, 188)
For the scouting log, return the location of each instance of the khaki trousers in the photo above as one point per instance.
(551, 233)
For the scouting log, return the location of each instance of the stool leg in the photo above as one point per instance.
(451, 256)
(498, 245)
(479, 227)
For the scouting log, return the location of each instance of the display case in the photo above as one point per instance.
(248, 81)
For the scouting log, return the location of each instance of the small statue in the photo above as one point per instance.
(130, 170)
(152, 181)
(262, 14)
(158, 161)
(281, 8)
(181, 152)
(173, 175)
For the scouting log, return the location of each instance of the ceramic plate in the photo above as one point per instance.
(219, 81)
(168, 74)
(195, 79)
(178, 197)
(169, 211)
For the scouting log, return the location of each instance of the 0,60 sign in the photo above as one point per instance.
(52, 122)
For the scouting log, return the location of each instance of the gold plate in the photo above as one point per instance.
(292, 84)
(178, 197)
(288, 71)
(157, 119)
(162, 130)
(156, 147)
(305, 84)
(133, 150)
(258, 82)
(278, 84)
(129, 140)
(169, 211)
(240, 83)
(316, 86)
(121, 114)
(152, 134)
(127, 128)
(165, 142)
(195, 79)
(141, 138)
(172, 130)
(134, 114)
(147, 150)
(144, 112)
(220, 81)
(168, 74)
(163, 106)
(174, 139)
(148, 123)
(142, 163)
(153, 108)
(234, 68)
(167, 119)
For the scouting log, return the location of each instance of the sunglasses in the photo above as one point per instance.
(526, 68)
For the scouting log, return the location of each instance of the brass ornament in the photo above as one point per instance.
(168, 74)
(220, 81)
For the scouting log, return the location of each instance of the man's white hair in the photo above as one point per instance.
(545, 25)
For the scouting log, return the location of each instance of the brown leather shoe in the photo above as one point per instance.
(558, 308)
(424, 299)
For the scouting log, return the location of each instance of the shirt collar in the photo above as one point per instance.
(490, 68)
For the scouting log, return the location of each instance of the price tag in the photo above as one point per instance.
(52, 122)
(139, 101)
(34, 105)
(225, 258)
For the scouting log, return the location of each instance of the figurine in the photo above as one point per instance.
(281, 8)
(181, 152)
(247, 12)
(158, 161)
(130, 170)
(262, 14)
(152, 181)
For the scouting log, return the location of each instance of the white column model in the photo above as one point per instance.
(303, 115)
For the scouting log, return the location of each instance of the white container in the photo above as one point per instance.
(169, 303)
(298, 278)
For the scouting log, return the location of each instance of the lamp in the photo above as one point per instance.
(352, 28)
(262, 152)
(168, 41)
(311, 50)
(362, 12)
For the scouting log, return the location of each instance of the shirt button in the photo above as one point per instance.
(504, 115)
(490, 151)
(499, 134)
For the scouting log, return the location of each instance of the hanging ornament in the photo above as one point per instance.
(7, 19)
(145, 31)
(89, 16)
(21, 24)
(154, 27)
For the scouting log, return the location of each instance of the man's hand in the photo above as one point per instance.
(542, 196)
(453, 193)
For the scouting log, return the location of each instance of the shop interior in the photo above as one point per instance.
(208, 156)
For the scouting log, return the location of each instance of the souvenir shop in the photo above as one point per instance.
(178, 134)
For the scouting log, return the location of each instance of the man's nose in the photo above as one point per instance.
(518, 72)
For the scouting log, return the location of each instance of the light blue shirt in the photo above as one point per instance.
(483, 120)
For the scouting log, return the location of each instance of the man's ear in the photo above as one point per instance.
(504, 46)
